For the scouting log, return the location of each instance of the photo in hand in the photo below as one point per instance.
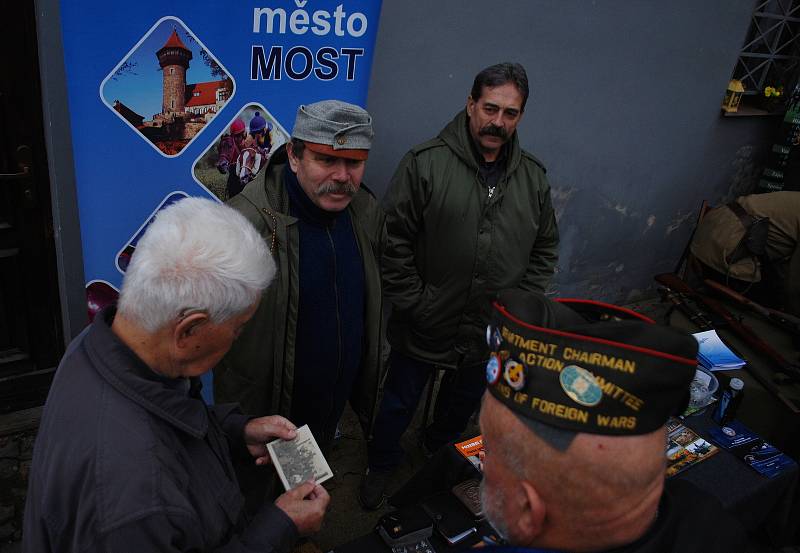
(299, 460)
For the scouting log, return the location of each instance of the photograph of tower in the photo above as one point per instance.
(168, 87)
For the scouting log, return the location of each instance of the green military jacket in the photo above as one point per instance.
(450, 247)
(258, 372)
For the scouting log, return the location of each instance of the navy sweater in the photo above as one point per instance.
(330, 322)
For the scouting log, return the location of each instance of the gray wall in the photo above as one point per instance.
(624, 112)
(66, 226)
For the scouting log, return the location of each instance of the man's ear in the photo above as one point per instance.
(293, 161)
(470, 105)
(187, 327)
(532, 510)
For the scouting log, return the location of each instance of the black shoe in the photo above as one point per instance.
(371, 491)
(426, 450)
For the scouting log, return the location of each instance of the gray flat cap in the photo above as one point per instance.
(335, 128)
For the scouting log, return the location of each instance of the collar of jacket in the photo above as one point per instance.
(267, 194)
(167, 398)
(456, 136)
(275, 193)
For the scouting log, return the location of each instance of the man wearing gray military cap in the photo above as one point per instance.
(314, 342)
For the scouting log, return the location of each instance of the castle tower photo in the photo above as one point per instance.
(168, 87)
(174, 59)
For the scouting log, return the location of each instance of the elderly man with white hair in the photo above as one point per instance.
(128, 456)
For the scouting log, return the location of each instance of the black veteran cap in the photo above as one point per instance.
(552, 362)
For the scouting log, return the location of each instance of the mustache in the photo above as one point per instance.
(493, 130)
(337, 188)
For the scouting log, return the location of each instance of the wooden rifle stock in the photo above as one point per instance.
(788, 322)
(699, 318)
(788, 371)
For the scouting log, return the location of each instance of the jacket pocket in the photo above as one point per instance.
(424, 308)
(434, 321)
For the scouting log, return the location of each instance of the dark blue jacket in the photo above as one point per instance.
(127, 460)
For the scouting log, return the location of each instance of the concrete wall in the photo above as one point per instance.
(624, 112)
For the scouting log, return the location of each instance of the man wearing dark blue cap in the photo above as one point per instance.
(573, 426)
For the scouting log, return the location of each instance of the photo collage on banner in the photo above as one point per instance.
(169, 99)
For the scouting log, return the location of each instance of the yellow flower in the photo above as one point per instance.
(772, 91)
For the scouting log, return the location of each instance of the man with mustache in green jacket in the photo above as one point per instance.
(467, 214)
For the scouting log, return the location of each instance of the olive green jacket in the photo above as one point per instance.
(258, 372)
(450, 247)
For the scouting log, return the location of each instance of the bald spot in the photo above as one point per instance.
(599, 482)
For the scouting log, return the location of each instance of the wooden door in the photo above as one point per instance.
(30, 322)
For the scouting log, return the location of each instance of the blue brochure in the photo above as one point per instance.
(713, 354)
(752, 449)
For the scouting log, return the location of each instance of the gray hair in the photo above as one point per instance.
(197, 254)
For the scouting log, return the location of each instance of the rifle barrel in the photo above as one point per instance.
(788, 322)
(744, 332)
(736, 296)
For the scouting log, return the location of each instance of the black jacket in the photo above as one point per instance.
(127, 460)
(688, 520)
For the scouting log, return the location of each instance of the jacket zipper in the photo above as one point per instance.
(338, 322)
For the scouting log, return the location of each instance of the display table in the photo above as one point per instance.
(768, 505)
(761, 410)
(771, 505)
(760, 503)
(767, 508)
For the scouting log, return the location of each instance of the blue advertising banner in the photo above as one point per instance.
(179, 98)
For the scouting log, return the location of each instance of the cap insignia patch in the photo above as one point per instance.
(515, 374)
(493, 368)
(493, 337)
(580, 385)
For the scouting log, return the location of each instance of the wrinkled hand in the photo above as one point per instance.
(257, 432)
(305, 505)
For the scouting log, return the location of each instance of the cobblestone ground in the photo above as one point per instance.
(15, 460)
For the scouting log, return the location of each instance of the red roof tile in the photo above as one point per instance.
(207, 93)
(174, 41)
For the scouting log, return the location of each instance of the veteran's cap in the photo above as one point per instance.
(572, 366)
(334, 128)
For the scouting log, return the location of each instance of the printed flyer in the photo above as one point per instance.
(471, 450)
